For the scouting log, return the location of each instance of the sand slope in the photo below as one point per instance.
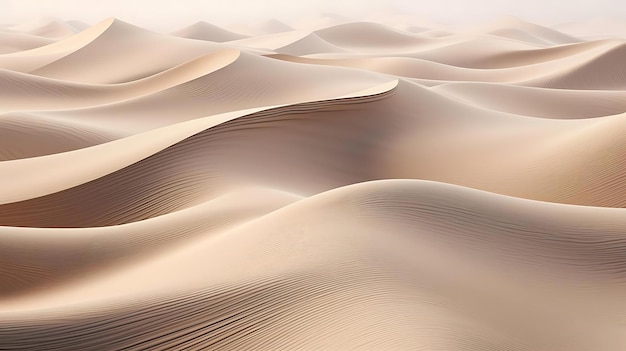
(537, 102)
(47, 27)
(416, 256)
(517, 29)
(345, 185)
(206, 31)
(13, 42)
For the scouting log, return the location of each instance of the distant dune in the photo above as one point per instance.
(206, 31)
(517, 29)
(13, 42)
(323, 185)
(595, 28)
(48, 27)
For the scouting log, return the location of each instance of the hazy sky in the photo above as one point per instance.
(171, 14)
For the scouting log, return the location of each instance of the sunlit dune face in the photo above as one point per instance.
(279, 180)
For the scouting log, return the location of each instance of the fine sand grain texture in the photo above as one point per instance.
(323, 185)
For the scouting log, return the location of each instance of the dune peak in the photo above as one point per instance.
(382, 183)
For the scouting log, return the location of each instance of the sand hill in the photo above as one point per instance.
(337, 186)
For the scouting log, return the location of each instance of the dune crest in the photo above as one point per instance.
(206, 31)
(322, 185)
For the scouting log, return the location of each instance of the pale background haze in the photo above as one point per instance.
(167, 15)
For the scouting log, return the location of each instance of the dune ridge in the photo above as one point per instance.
(205, 31)
(331, 268)
(324, 185)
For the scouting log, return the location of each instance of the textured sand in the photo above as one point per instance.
(327, 185)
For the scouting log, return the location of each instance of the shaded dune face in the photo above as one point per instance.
(355, 186)
(324, 259)
(263, 148)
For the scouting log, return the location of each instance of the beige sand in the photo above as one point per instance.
(48, 27)
(206, 31)
(342, 185)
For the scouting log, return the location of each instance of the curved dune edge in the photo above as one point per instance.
(419, 254)
(30, 60)
(250, 81)
(400, 185)
(199, 166)
(28, 135)
(517, 29)
(477, 52)
(356, 140)
(573, 71)
(70, 253)
(103, 159)
(45, 27)
(146, 54)
(23, 88)
(96, 161)
(16, 42)
(537, 102)
(205, 31)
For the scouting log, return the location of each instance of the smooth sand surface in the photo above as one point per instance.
(327, 185)
(206, 31)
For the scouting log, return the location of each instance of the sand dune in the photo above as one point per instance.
(371, 148)
(325, 20)
(195, 180)
(604, 71)
(366, 35)
(397, 256)
(524, 57)
(30, 60)
(135, 240)
(26, 91)
(79, 26)
(147, 53)
(206, 31)
(46, 27)
(343, 185)
(292, 43)
(517, 29)
(310, 44)
(597, 68)
(14, 42)
(28, 135)
(537, 102)
(273, 26)
(227, 89)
